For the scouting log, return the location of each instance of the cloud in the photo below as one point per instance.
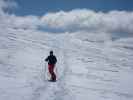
(113, 21)
(13, 21)
(2, 5)
(7, 4)
(77, 20)
(25, 22)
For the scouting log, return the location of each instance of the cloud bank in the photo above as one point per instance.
(71, 21)
(114, 21)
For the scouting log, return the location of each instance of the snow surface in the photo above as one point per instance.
(90, 66)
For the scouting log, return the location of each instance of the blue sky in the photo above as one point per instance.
(40, 7)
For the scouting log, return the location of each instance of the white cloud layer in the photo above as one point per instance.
(7, 4)
(114, 21)
(75, 20)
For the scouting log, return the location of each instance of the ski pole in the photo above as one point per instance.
(56, 71)
(47, 74)
(45, 71)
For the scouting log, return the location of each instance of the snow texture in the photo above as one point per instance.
(89, 67)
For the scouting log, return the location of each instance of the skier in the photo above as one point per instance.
(51, 59)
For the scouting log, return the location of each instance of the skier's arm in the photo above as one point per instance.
(55, 59)
(47, 59)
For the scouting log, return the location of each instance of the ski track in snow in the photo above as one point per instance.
(85, 70)
(56, 91)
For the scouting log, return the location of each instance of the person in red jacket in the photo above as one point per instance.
(52, 60)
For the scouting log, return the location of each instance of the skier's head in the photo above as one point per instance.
(51, 52)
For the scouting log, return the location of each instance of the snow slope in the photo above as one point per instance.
(90, 67)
